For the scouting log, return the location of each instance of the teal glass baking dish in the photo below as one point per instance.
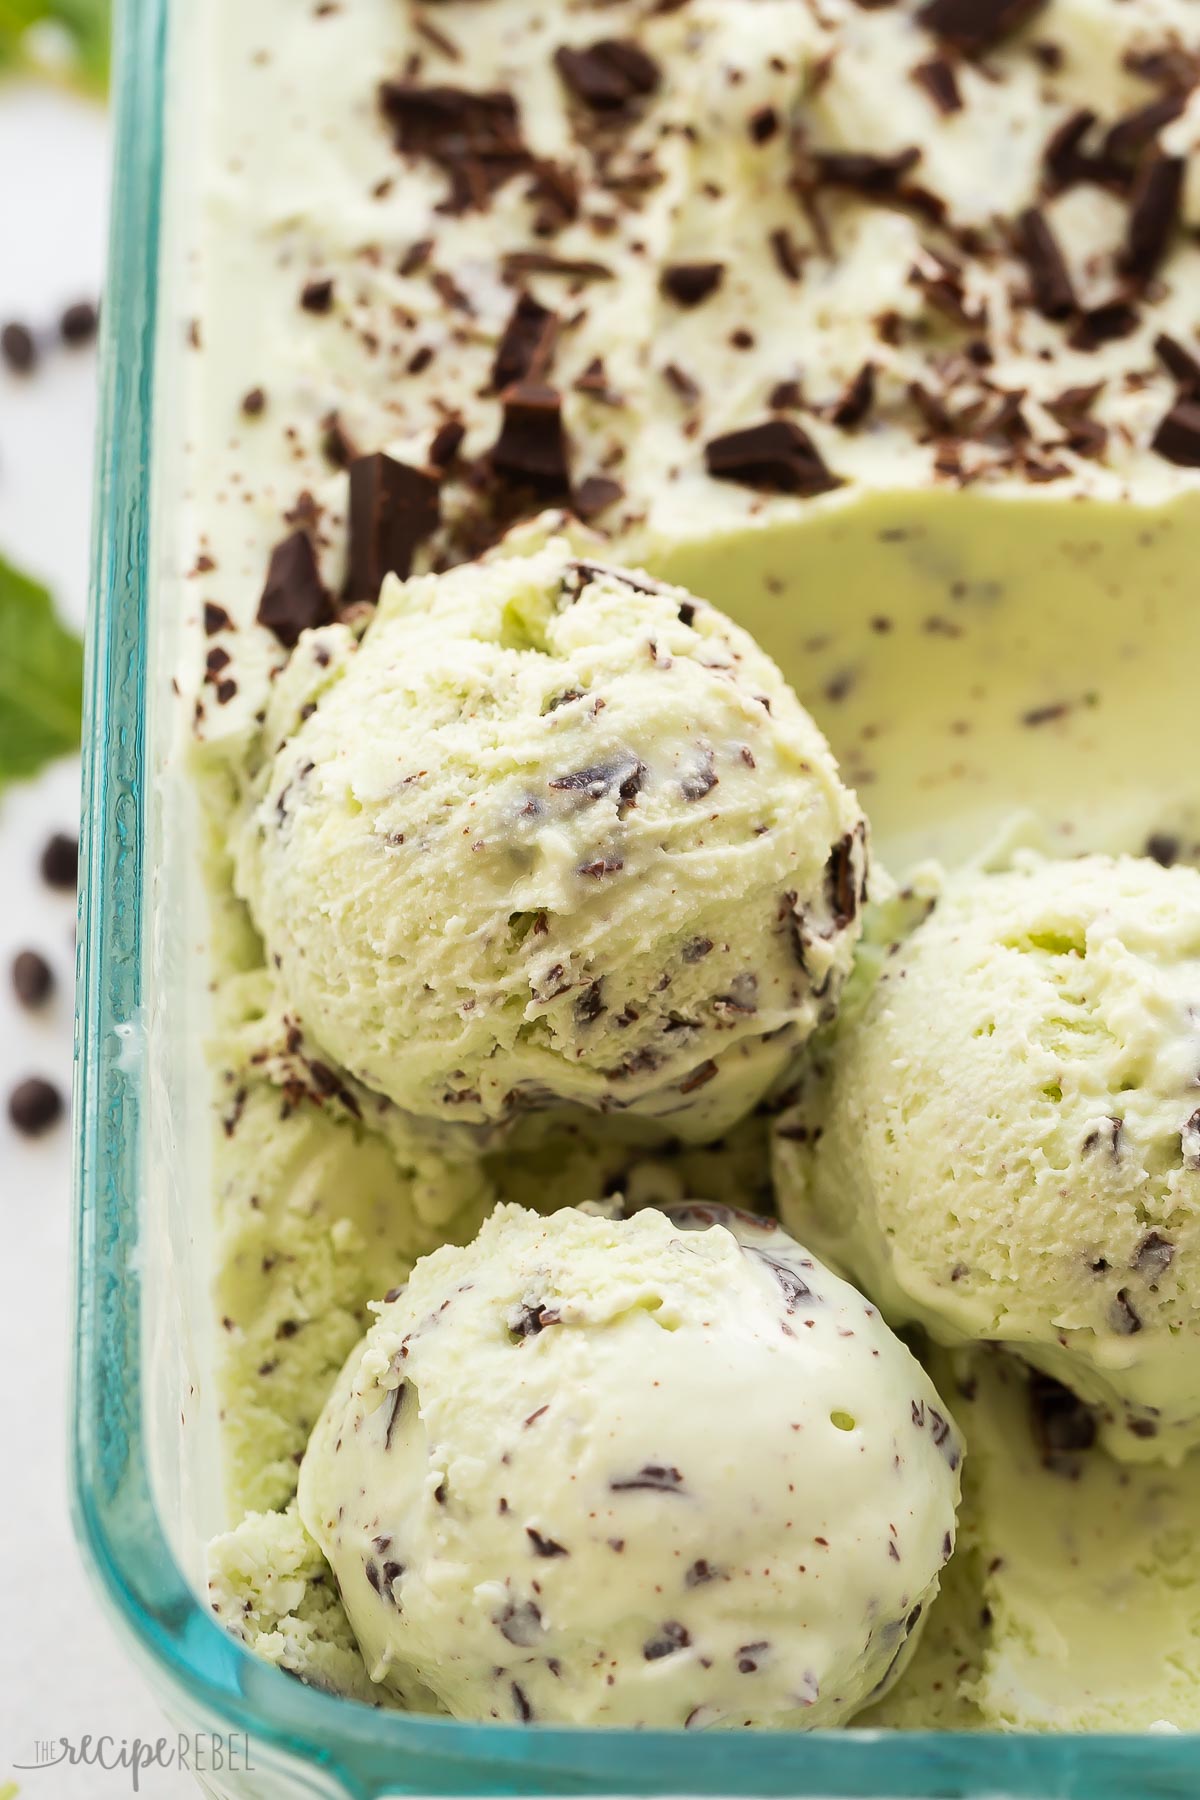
(129, 1373)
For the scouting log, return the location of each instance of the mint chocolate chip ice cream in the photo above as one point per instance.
(555, 834)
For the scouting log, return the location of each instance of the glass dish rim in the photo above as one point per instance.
(371, 1752)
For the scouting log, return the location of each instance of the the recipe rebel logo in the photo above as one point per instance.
(198, 1752)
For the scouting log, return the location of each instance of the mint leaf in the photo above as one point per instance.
(41, 678)
(86, 21)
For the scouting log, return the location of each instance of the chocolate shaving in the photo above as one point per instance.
(787, 253)
(526, 345)
(974, 26)
(1155, 1254)
(863, 172)
(594, 496)
(394, 508)
(856, 399)
(1180, 362)
(1178, 435)
(1053, 291)
(545, 1546)
(475, 138)
(776, 457)
(1153, 215)
(609, 75)
(939, 81)
(653, 1477)
(294, 598)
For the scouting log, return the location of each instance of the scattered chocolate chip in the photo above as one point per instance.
(1164, 848)
(788, 255)
(394, 508)
(624, 773)
(446, 443)
(294, 598)
(843, 885)
(316, 296)
(474, 137)
(1053, 291)
(682, 383)
(856, 399)
(701, 779)
(763, 124)
(521, 1703)
(670, 1637)
(1130, 134)
(216, 619)
(1155, 1254)
(1180, 362)
(651, 1476)
(34, 1105)
(594, 496)
(545, 1546)
(254, 403)
(864, 173)
(1153, 214)
(521, 1623)
(691, 283)
(532, 446)
(608, 75)
(1123, 1316)
(974, 26)
(699, 1077)
(1178, 435)
(18, 348)
(541, 262)
(1062, 1424)
(32, 978)
(77, 323)
(60, 861)
(774, 457)
(1104, 324)
(590, 1004)
(531, 1320)
(796, 1291)
(395, 1404)
(527, 343)
(937, 78)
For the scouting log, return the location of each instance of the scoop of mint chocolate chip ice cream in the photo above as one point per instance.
(1008, 1147)
(657, 1471)
(553, 834)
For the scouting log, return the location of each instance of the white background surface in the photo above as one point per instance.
(62, 1671)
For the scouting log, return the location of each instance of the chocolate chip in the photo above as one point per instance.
(856, 399)
(1153, 215)
(474, 137)
(1062, 1424)
(60, 861)
(1104, 324)
(294, 598)
(670, 1637)
(939, 81)
(863, 172)
(1155, 1254)
(653, 1477)
(590, 1004)
(1053, 291)
(521, 1623)
(1164, 848)
(787, 253)
(690, 283)
(34, 1105)
(974, 26)
(216, 619)
(395, 1404)
(699, 1077)
(532, 446)
(608, 75)
(32, 978)
(1178, 435)
(682, 383)
(521, 1704)
(77, 323)
(18, 349)
(446, 443)
(527, 343)
(594, 496)
(545, 1546)
(394, 508)
(317, 296)
(701, 779)
(763, 124)
(842, 883)
(774, 457)
(531, 1320)
(624, 773)
(1131, 133)
(254, 403)
(1123, 1316)
(796, 1291)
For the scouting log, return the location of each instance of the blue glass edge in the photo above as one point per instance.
(370, 1753)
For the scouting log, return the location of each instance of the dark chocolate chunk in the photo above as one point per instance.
(542, 262)
(774, 457)
(32, 978)
(856, 399)
(545, 1546)
(699, 1077)
(796, 1291)
(18, 348)
(394, 508)
(651, 1476)
(1063, 158)
(316, 296)
(608, 75)
(337, 446)
(1053, 290)
(1153, 215)
(843, 886)
(531, 1320)
(1104, 324)
(1164, 848)
(294, 598)
(474, 137)
(590, 1004)
(77, 323)
(787, 253)
(624, 773)
(216, 619)
(254, 403)
(1178, 435)
(446, 443)
(594, 496)
(670, 1636)
(521, 1704)
(34, 1105)
(60, 861)
(937, 78)
(701, 779)
(763, 124)
(1123, 1316)
(690, 283)
(1189, 1141)
(974, 26)
(863, 172)
(1180, 362)
(1062, 1423)
(682, 383)
(527, 344)
(532, 446)
(1130, 134)
(699, 1573)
